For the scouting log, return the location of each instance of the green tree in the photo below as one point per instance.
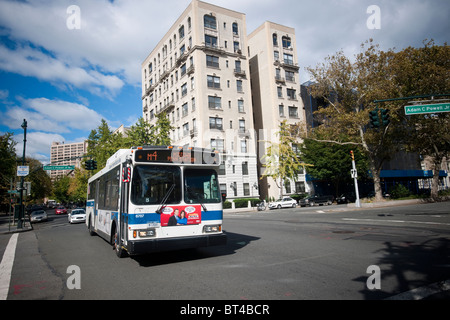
(332, 162)
(7, 166)
(281, 162)
(426, 71)
(41, 184)
(61, 189)
(349, 89)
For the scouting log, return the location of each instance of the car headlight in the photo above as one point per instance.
(212, 228)
(147, 233)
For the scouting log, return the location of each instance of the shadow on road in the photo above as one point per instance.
(235, 242)
(410, 265)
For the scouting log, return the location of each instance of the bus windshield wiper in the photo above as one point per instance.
(164, 200)
(196, 194)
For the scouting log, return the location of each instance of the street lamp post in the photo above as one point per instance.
(22, 209)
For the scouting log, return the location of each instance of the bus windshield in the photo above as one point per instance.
(151, 184)
(201, 186)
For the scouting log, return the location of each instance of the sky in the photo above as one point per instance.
(67, 64)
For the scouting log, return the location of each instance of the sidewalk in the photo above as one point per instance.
(5, 228)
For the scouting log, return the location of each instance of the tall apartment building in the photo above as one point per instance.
(198, 74)
(276, 93)
(60, 151)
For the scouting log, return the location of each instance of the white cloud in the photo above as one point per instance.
(38, 145)
(55, 116)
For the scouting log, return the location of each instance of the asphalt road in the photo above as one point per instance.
(287, 254)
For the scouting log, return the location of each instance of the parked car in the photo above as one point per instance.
(346, 198)
(316, 199)
(38, 216)
(60, 210)
(77, 215)
(286, 202)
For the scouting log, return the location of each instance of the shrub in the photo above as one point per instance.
(399, 191)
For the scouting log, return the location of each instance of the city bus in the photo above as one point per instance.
(157, 198)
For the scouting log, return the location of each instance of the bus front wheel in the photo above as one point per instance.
(117, 246)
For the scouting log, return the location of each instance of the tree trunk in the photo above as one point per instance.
(376, 182)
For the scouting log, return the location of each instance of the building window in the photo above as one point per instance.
(236, 47)
(276, 55)
(183, 69)
(184, 89)
(293, 112)
(210, 41)
(286, 42)
(287, 186)
(210, 22)
(212, 61)
(246, 189)
(275, 39)
(181, 32)
(245, 168)
(288, 59)
(280, 92)
(241, 126)
(291, 94)
(239, 86)
(214, 102)
(235, 29)
(281, 110)
(299, 187)
(213, 82)
(185, 110)
(241, 106)
(244, 146)
(186, 129)
(217, 144)
(290, 76)
(216, 123)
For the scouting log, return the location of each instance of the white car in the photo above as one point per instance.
(38, 216)
(286, 202)
(77, 215)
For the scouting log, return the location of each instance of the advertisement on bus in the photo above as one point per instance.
(181, 215)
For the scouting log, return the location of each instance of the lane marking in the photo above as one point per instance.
(6, 266)
(397, 221)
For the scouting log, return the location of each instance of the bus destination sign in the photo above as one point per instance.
(179, 156)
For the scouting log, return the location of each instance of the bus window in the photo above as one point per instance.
(201, 186)
(150, 184)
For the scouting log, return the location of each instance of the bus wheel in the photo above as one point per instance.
(120, 251)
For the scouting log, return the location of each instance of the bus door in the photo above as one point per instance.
(124, 196)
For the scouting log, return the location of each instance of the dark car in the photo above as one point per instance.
(346, 198)
(316, 199)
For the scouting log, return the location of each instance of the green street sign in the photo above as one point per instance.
(427, 108)
(59, 167)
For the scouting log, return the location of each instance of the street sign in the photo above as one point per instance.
(59, 167)
(23, 171)
(13, 191)
(427, 108)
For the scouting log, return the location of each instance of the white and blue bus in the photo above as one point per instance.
(151, 199)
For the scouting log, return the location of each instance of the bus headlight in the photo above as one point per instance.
(147, 233)
(212, 228)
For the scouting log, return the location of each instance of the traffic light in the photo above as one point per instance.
(351, 153)
(94, 165)
(374, 119)
(89, 164)
(385, 117)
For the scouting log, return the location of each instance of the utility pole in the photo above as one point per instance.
(21, 207)
(354, 174)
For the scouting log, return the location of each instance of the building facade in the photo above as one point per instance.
(276, 95)
(198, 74)
(60, 151)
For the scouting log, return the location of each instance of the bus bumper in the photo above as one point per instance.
(136, 247)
